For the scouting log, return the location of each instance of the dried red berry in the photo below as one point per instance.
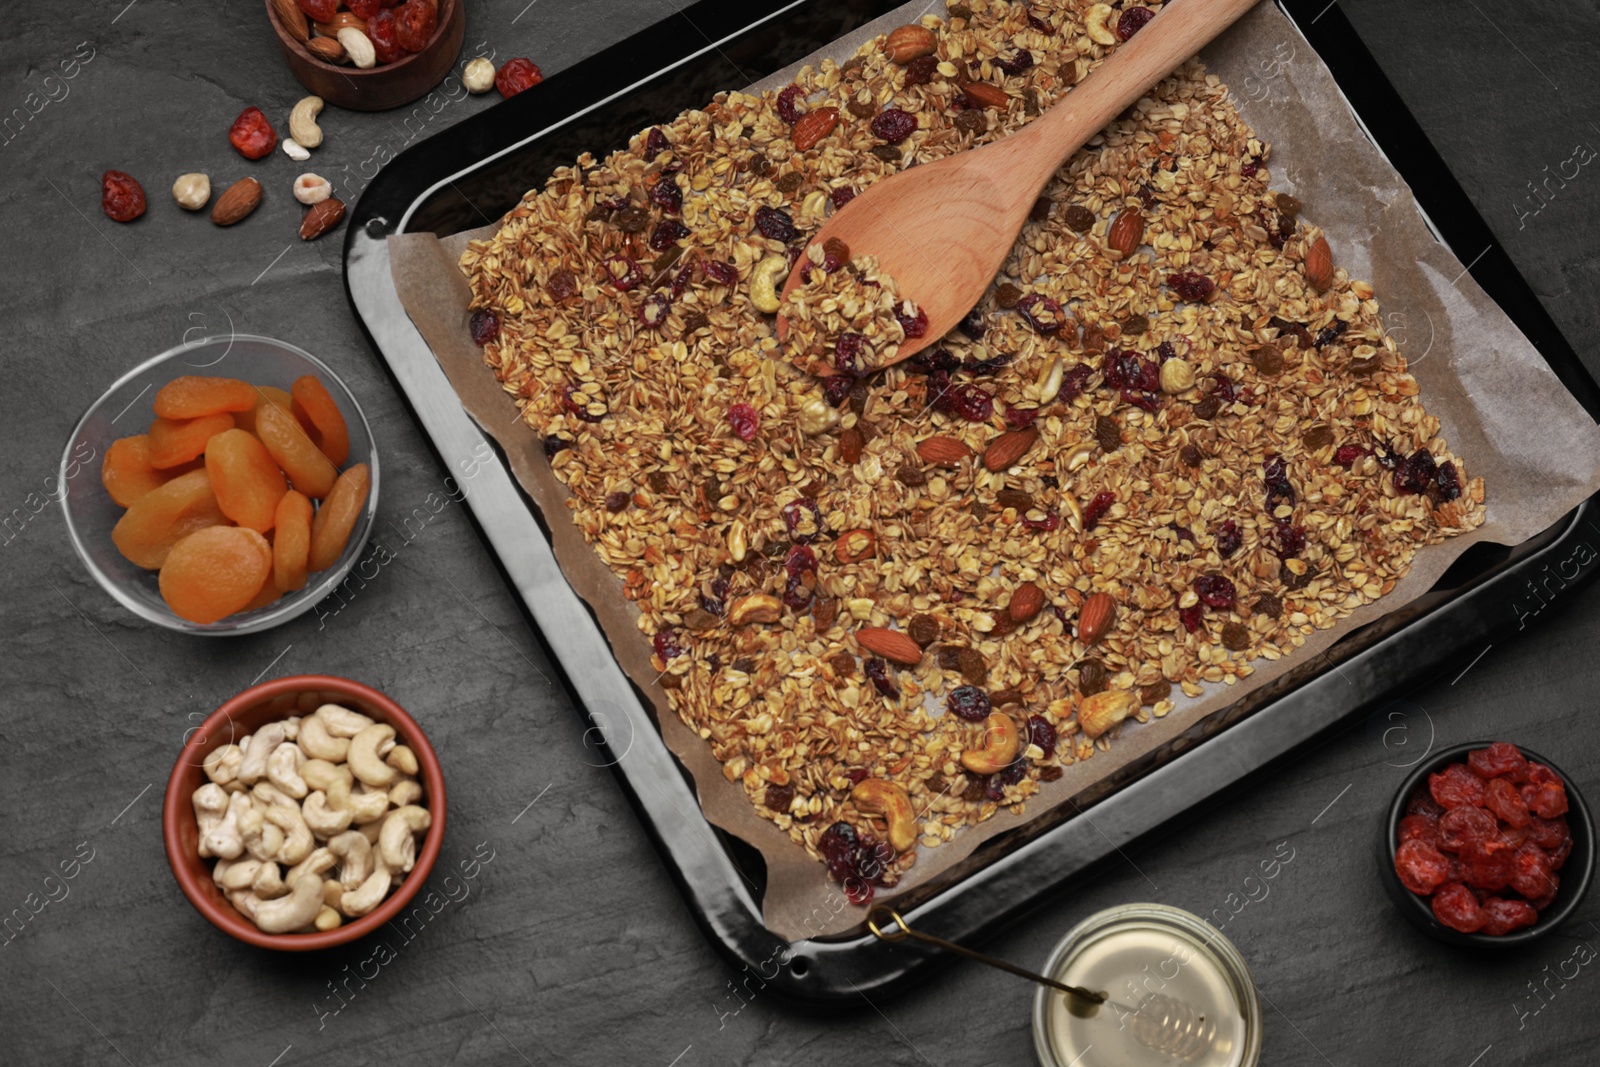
(1193, 618)
(920, 71)
(915, 325)
(878, 674)
(1531, 872)
(744, 420)
(1041, 733)
(485, 326)
(893, 126)
(1466, 823)
(655, 309)
(1228, 539)
(666, 646)
(1216, 591)
(1545, 799)
(1455, 787)
(384, 33)
(1097, 508)
(1422, 803)
(655, 143)
(1190, 286)
(667, 233)
(1042, 313)
(1346, 455)
(1424, 828)
(1502, 798)
(1416, 472)
(1275, 477)
(623, 272)
(121, 196)
(719, 272)
(319, 10)
(667, 195)
(968, 702)
(971, 402)
(1132, 21)
(1548, 834)
(1456, 907)
(1504, 916)
(252, 134)
(414, 23)
(1021, 61)
(803, 519)
(517, 76)
(836, 388)
(1421, 867)
(787, 110)
(841, 197)
(776, 224)
(1489, 863)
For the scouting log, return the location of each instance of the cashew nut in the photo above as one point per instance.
(364, 757)
(224, 840)
(358, 46)
(341, 721)
(235, 874)
(245, 901)
(319, 862)
(359, 902)
(370, 830)
(327, 919)
(210, 805)
(397, 843)
(261, 839)
(765, 279)
(291, 727)
(1000, 743)
(478, 76)
(290, 913)
(268, 882)
(319, 743)
(1105, 709)
(324, 822)
(283, 769)
(883, 797)
(367, 806)
(320, 774)
(191, 191)
(405, 791)
(303, 121)
(332, 893)
(262, 744)
(285, 814)
(295, 150)
(402, 759)
(1095, 20)
(354, 853)
(222, 764)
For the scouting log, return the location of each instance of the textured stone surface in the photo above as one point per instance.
(571, 945)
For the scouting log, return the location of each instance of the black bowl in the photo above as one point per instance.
(1576, 873)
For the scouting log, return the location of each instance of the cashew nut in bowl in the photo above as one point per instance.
(370, 830)
(320, 862)
(365, 759)
(397, 842)
(402, 759)
(367, 806)
(332, 893)
(285, 815)
(262, 744)
(283, 770)
(292, 912)
(405, 791)
(341, 721)
(320, 774)
(324, 821)
(354, 853)
(210, 805)
(319, 743)
(268, 882)
(224, 840)
(222, 764)
(291, 727)
(328, 919)
(261, 838)
(371, 893)
(245, 901)
(235, 874)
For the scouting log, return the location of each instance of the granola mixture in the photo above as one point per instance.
(1173, 439)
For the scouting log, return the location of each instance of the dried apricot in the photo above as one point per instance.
(194, 395)
(308, 469)
(247, 482)
(177, 441)
(215, 572)
(164, 516)
(315, 406)
(291, 542)
(337, 516)
(126, 472)
(266, 595)
(246, 420)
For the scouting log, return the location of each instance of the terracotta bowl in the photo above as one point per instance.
(381, 87)
(300, 694)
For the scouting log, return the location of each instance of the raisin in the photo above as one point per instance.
(1317, 437)
(970, 662)
(1020, 61)
(911, 475)
(1421, 867)
(1467, 823)
(778, 798)
(1267, 359)
(920, 71)
(1134, 325)
(1190, 455)
(1190, 286)
(1235, 637)
(973, 122)
(1456, 787)
(1092, 677)
(893, 126)
(878, 673)
(887, 153)
(414, 23)
(1155, 692)
(121, 196)
(1455, 906)
(1228, 538)
(1275, 478)
(790, 182)
(562, 284)
(923, 629)
(1208, 407)
(775, 224)
(517, 76)
(631, 219)
(1079, 219)
(1107, 433)
(1269, 605)
(1014, 499)
(1216, 591)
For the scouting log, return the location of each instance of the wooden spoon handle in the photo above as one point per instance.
(1181, 29)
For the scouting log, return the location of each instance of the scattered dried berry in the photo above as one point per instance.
(968, 702)
(744, 420)
(1216, 591)
(878, 673)
(893, 126)
(788, 110)
(517, 76)
(121, 196)
(1042, 313)
(775, 223)
(485, 326)
(1022, 60)
(1228, 538)
(1190, 286)
(1096, 509)
(252, 134)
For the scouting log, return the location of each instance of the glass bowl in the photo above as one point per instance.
(125, 410)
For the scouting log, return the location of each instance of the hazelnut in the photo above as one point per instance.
(478, 76)
(191, 191)
(312, 188)
(1176, 376)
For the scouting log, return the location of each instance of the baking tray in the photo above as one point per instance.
(477, 170)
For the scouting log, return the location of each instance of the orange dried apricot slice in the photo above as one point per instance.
(245, 478)
(194, 395)
(291, 543)
(316, 406)
(337, 516)
(164, 516)
(266, 595)
(215, 572)
(308, 469)
(126, 472)
(265, 394)
(177, 441)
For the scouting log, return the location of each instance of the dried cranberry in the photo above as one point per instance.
(744, 420)
(1045, 525)
(1127, 372)
(1422, 803)
(577, 403)
(851, 355)
(681, 281)
(1074, 382)
(554, 444)
(842, 196)
(384, 33)
(803, 519)
(1041, 733)
(920, 71)
(799, 590)
(1096, 509)
(1229, 539)
(1424, 828)
(971, 402)
(1457, 907)
(1330, 332)
(655, 143)
(667, 195)
(1183, 533)
(414, 23)
(719, 272)
(1140, 399)
(1548, 834)
(517, 76)
(623, 272)
(1502, 798)
(968, 702)
(1446, 482)
(1421, 867)
(915, 325)
(1190, 286)
(1192, 618)
(1021, 418)
(1275, 476)
(1545, 799)
(1042, 313)
(1500, 758)
(1251, 167)
(1286, 539)
(1346, 455)
(252, 134)
(892, 126)
(878, 673)
(561, 285)
(654, 310)
(668, 233)
(319, 10)
(1216, 591)
(787, 110)
(935, 360)
(1019, 62)
(1456, 787)
(1132, 21)
(485, 326)
(972, 325)
(1488, 863)
(776, 224)
(1466, 823)
(836, 387)
(1503, 916)
(995, 786)
(665, 642)
(1416, 472)
(121, 196)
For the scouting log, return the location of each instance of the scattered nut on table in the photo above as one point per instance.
(295, 150)
(310, 188)
(303, 121)
(478, 76)
(191, 191)
(346, 828)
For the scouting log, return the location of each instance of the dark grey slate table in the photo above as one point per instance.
(570, 944)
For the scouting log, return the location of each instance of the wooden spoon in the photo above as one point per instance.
(943, 230)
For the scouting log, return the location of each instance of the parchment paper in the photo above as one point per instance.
(1499, 404)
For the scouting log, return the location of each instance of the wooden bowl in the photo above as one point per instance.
(278, 699)
(381, 87)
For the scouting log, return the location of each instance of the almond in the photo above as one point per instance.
(1126, 232)
(292, 19)
(1101, 712)
(987, 95)
(1318, 264)
(1009, 447)
(341, 20)
(893, 645)
(1095, 617)
(1025, 602)
(812, 127)
(853, 546)
(909, 42)
(323, 216)
(241, 198)
(943, 451)
(326, 49)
